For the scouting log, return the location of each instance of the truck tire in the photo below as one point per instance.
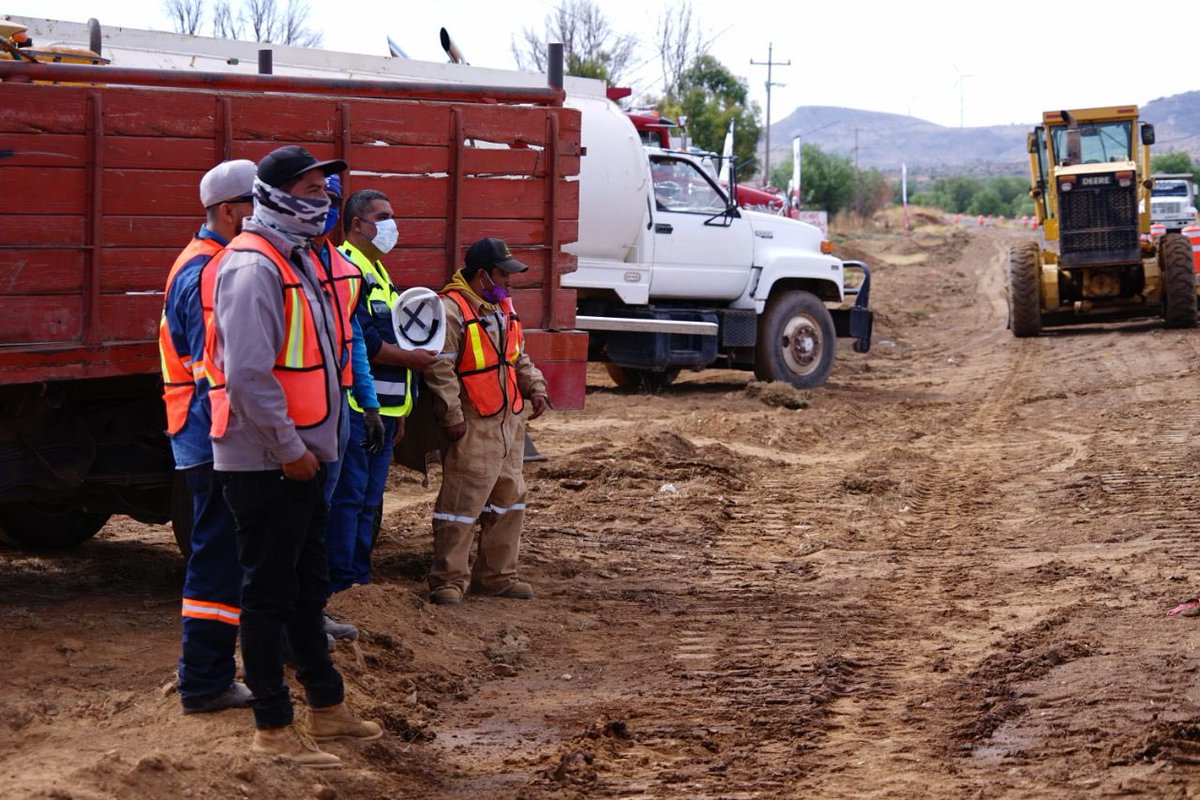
(34, 526)
(640, 380)
(796, 341)
(1024, 294)
(1179, 281)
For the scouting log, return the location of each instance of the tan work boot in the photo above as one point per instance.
(293, 743)
(339, 722)
(517, 590)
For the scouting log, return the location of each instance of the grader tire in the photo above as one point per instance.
(1179, 281)
(1024, 295)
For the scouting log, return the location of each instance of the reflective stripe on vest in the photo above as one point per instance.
(181, 370)
(393, 383)
(299, 364)
(488, 381)
(344, 279)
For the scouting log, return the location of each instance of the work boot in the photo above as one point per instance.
(293, 743)
(448, 595)
(339, 722)
(517, 590)
(340, 630)
(238, 695)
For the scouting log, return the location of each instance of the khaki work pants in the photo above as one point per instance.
(481, 482)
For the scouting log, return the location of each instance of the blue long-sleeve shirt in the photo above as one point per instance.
(360, 364)
(191, 445)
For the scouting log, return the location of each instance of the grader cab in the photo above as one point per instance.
(1090, 182)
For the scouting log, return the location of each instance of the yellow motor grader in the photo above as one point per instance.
(1090, 182)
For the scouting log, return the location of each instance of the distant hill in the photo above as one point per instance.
(884, 141)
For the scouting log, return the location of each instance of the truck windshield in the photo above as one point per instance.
(1100, 142)
(1171, 189)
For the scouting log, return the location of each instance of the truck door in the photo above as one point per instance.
(699, 251)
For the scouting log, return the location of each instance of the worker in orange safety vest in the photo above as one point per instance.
(480, 383)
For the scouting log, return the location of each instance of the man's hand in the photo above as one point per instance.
(456, 432)
(399, 434)
(304, 468)
(419, 360)
(374, 431)
(540, 403)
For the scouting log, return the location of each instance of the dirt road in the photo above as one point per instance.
(945, 575)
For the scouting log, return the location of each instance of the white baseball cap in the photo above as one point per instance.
(419, 320)
(228, 181)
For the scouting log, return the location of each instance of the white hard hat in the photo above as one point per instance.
(419, 320)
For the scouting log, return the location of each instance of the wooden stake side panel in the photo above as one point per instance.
(144, 150)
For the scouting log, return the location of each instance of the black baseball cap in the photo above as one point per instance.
(488, 253)
(287, 163)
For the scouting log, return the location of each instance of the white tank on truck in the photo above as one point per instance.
(672, 275)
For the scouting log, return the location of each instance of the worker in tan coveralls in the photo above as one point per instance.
(479, 384)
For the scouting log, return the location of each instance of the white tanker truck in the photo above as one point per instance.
(672, 275)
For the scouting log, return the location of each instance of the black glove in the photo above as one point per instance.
(373, 444)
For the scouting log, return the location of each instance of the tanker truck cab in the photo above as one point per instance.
(672, 275)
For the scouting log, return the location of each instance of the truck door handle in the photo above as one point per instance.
(663, 227)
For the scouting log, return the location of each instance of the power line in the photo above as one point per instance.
(769, 64)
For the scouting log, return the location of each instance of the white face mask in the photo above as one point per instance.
(386, 235)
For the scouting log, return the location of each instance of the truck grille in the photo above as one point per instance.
(1099, 225)
(1168, 208)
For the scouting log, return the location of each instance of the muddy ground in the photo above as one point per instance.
(944, 575)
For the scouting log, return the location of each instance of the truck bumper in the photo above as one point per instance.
(857, 321)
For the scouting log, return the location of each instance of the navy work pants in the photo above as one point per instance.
(281, 546)
(212, 589)
(358, 494)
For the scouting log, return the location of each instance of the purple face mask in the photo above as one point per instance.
(494, 294)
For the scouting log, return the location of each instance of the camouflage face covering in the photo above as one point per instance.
(298, 218)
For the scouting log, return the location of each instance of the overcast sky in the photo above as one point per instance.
(950, 63)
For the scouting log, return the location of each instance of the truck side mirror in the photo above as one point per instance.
(1147, 134)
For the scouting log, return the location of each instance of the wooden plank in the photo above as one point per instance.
(168, 153)
(42, 150)
(47, 192)
(135, 269)
(130, 318)
(566, 383)
(136, 111)
(25, 230)
(152, 192)
(399, 160)
(531, 304)
(34, 271)
(40, 318)
(138, 231)
(64, 362)
(398, 122)
(37, 108)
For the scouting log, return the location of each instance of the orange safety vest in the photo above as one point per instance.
(345, 281)
(180, 370)
(488, 379)
(299, 365)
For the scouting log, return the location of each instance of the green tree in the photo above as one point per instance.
(1175, 162)
(711, 96)
(827, 181)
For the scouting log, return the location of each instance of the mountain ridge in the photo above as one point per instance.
(881, 140)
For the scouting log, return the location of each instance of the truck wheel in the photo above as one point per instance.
(1179, 281)
(640, 380)
(1024, 296)
(34, 526)
(181, 514)
(796, 341)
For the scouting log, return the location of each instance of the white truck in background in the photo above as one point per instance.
(672, 275)
(1173, 200)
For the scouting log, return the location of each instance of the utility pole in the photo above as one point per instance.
(769, 63)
